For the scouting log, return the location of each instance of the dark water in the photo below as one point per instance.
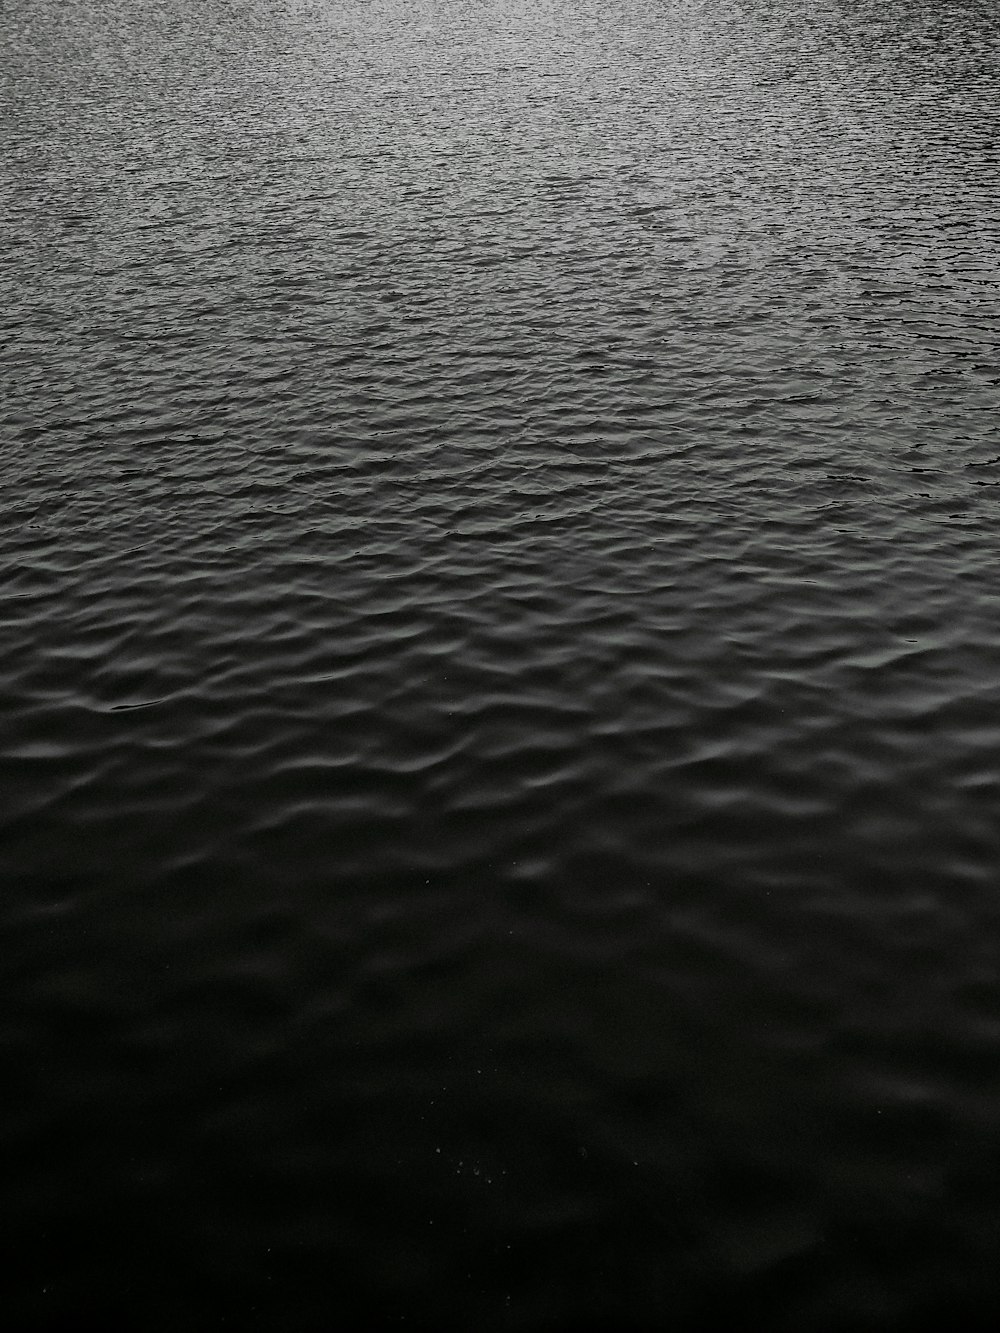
(500, 664)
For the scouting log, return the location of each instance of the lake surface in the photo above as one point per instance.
(500, 742)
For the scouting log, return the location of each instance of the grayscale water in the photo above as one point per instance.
(500, 731)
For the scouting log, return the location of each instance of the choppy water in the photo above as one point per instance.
(501, 663)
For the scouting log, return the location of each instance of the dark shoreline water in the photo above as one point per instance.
(500, 742)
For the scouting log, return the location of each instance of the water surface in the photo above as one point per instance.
(501, 728)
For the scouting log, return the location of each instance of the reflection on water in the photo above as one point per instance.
(500, 745)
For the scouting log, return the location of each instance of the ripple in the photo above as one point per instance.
(500, 744)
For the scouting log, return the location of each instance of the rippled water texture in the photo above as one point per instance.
(501, 668)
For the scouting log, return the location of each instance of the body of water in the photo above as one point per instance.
(500, 731)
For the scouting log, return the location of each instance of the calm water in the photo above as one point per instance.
(500, 664)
